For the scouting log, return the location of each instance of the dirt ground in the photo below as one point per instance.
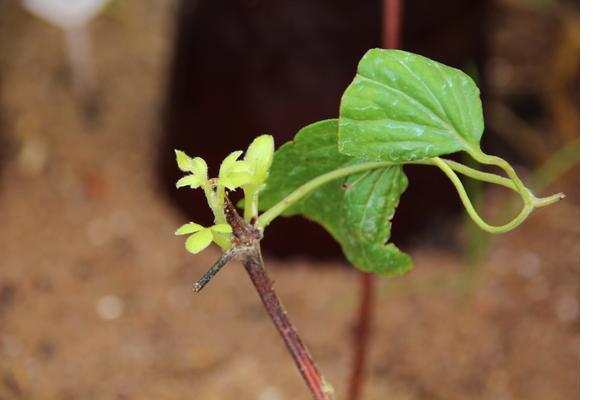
(95, 291)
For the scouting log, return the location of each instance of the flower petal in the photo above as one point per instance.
(223, 228)
(222, 239)
(234, 181)
(199, 168)
(240, 166)
(260, 155)
(199, 241)
(228, 162)
(192, 181)
(228, 183)
(184, 162)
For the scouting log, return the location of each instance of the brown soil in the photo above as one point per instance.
(95, 291)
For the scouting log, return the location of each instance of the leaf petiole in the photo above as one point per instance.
(464, 197)
(473, 173)
(446, 165)
(265, 218)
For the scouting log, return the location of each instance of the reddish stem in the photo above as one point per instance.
(246, 241)
(319, 388)
(391, 35)
(362, 334)
(393, 13)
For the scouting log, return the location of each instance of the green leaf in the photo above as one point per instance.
(402, 106)
(356, 210)
(370, 200)
(190, 227)
(199, 241)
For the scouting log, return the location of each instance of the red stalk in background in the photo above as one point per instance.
(392, 17)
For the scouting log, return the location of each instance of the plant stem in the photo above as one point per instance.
(529, 200)
(246, 239)
(362, 334)
(471, 210)
(250, 203)
(393, 12)
(473, 173)
(212, 271)
(213, 203)
(315, 381)
(253, 262)
(265, 218)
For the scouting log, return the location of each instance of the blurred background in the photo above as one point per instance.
(95, 291)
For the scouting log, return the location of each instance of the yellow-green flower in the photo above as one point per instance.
(260, 156)
(196, 166)
(233, 172)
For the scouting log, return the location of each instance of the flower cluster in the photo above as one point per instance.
(249, 173)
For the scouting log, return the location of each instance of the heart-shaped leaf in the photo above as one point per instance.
(356, 210)
(402, 106)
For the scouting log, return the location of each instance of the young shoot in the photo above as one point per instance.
(347, 175)
(249, 174)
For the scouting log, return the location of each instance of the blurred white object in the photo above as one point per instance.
(73, 16)
(66, 14)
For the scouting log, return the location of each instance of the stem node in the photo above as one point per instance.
(246, 244)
